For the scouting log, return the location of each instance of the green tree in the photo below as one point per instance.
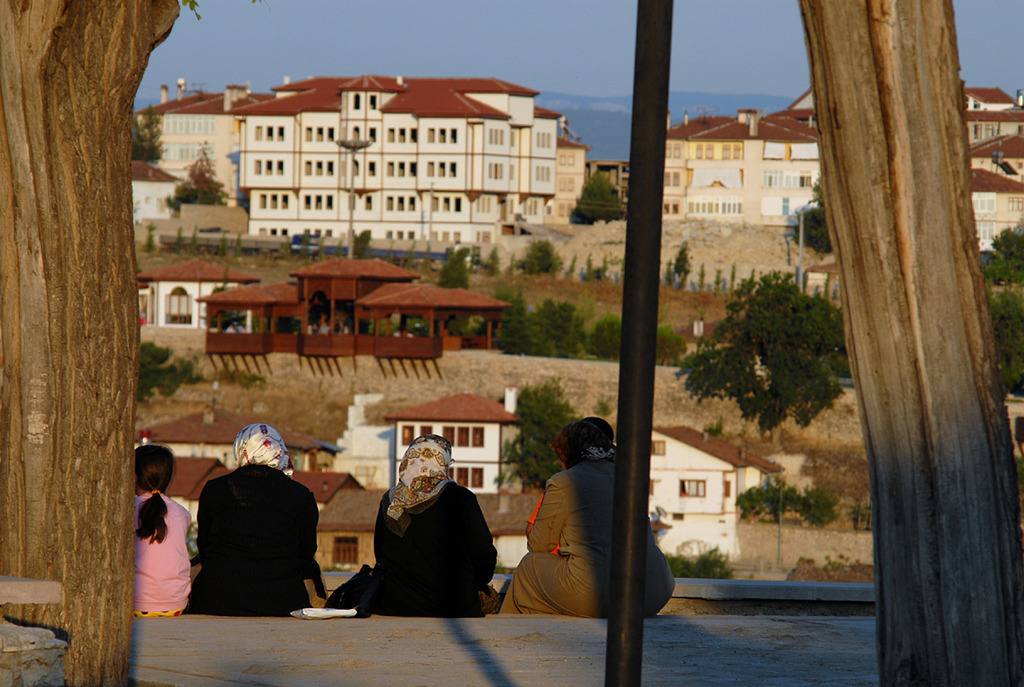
(455, 272)
(361, 245)
(542, 410)
(1006, 263)
(540, 258)
(776, 353)
(492, 265)
(201, 186)
(146, 144)
(816, 225)
(681, 264)
(701, 278)
(598, 200)
(158, 373)
(562, 334)
(769, 500)
(1007, 308)
(817, 505)
(606, 338)
(670, 348)
(710, 565)
(150, 240)
(518, 333)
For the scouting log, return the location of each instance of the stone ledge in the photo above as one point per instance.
(22, 590)
(742, 597)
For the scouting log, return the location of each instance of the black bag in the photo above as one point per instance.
(359, 592)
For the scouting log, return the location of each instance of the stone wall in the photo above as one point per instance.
(759, 542)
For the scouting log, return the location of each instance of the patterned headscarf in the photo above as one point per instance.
(422, 475)
(262, 445)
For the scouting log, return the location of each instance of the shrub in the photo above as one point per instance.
(709, 565)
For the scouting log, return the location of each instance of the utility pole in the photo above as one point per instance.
(352, 146)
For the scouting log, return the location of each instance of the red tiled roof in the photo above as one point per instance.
(544, 113)
(719, 448)
(197, 489)
(983, 180)
(436, 97)
(143, 171)
(827, 266)
(256, 294)
(350, 510)
(429, 296)
(1014, 115)
(989, 95)
(190, 473)
(223, 429)
(464, 407)
(325, 485)
(207, 103)
(696, 125)
(567, 143)
(768, 129)
(506, 514)
(197, 270)
(1011, 145)
(356, 269)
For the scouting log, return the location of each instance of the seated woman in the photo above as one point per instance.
(576, 516)
(257, 535)
(432, 539)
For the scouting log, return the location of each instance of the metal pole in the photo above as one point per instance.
(800, 260)
(352, 146)
(624, 654)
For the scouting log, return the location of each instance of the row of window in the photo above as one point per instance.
(778, 178)
(270, 132)
(318, 202)
(730, 151)
(440, 135)
(400, 202)
(357, 101)
(567, 184)
(458, 436)
(672, 178)
(567, 159)
(187, 151)
(543, 174)
(190, 124)
(544, 139)
(320, 134)
(711, 205)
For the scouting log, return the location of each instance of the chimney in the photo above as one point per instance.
(698, 329)
(686, 116)
(400, 80)
(208, 415)
(511, 398)
(287, 80)
(163, 94)
(181, 88)
(750, 118)
(232, 94)
(668, 119)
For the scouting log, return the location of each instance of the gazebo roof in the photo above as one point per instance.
(255, 295)
(343, 268)
(431, 297)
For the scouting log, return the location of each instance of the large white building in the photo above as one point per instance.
(449, 160)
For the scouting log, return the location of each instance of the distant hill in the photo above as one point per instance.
(604, 123)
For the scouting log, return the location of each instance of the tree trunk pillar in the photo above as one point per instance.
(894, 153)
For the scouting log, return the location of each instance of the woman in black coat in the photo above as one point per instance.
(257, 535)
(432, 540)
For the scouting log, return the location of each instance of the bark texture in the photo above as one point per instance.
(68, 75)
(943, 482)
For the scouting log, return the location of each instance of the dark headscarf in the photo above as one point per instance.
(583, 440)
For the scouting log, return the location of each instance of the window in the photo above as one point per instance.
(449, 434)
(727, 489)
(373, 102)
(737, 151)
(179, 307)
(478, 478)
(330, 133)
(319, 168)
(356, 101)
(462, 477)
(369, 206)
(401, 135)
(391, 134)
(373, 134)
(657, 448)
(430, 169)
(1016, 203)
(401, 169)
(451, 169)
(372, 168)
(258, 167)
(309, 134)
(391, 169)
(442, 135)
(389, 203)
(330, 168)
(401, 203)
(426, 429)
(319, 134)
(430, 135)
(308, 168)
(280, 133)
(463, 436)
(709, 152)
(346, 550)
(258, 133)
(692, 487)
(414, 135)
(440, 169)
(726, 152)
(412, 169)
(280, 166)
(478, 436)
(984, 202)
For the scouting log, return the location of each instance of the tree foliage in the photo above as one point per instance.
(776, 353)
(815, 505)
(201, 186)
(710, 565)
(1007, 309)
(361, 245)
(146, 144)
(815, 224)
(541, 258)
(455, 272)
(670, 347)
(1005, 265)
(542, 410)
(605, 338)
(158, 373)
(680, 268)
(598, 200)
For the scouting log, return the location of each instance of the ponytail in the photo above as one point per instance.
(154, 466)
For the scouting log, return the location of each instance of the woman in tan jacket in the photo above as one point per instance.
(576, 517)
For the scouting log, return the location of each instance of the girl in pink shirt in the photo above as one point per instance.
(162, 579)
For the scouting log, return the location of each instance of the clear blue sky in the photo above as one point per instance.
(582, 47)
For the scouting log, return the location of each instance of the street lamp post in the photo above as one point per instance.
(352, 146)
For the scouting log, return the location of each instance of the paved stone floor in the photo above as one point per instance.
(499, 651)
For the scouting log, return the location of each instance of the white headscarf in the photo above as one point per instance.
(261, 444)
(422, 474)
